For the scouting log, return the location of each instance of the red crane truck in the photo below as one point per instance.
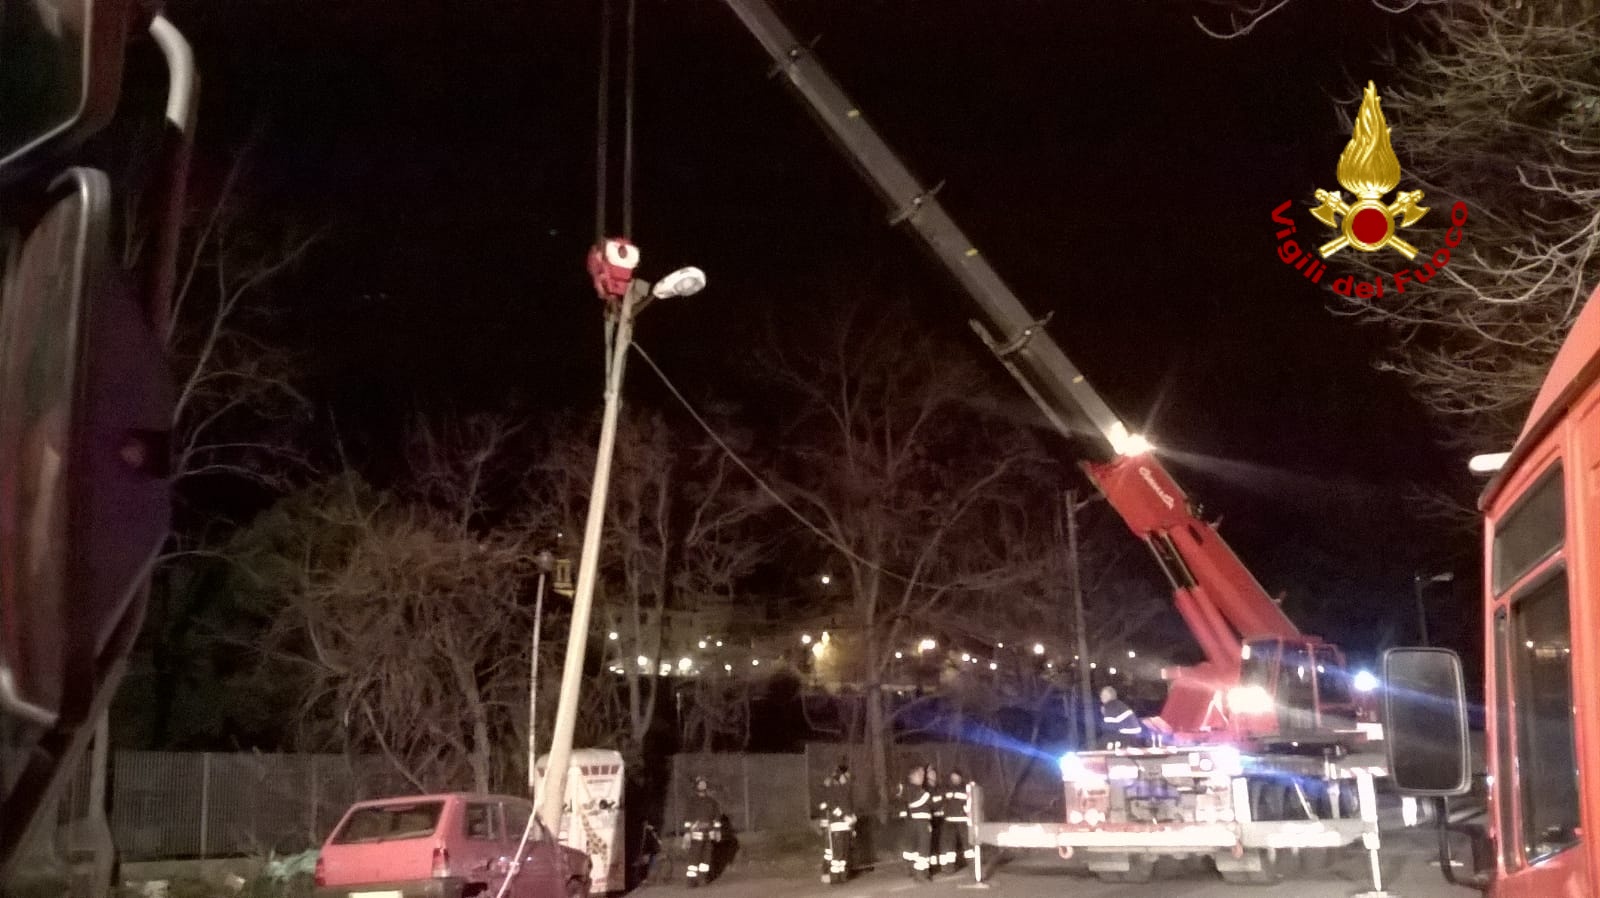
(1541, 638)
(1265, 746)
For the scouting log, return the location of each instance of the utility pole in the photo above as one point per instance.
(1419, 583)
(611, 264)
(553, 793)
(1075, 579)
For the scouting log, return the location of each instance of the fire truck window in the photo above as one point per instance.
(1257, 668)
(1541, 653)
(1531, 532)
(1296, 699)
(1505, 768)
(1333, 681)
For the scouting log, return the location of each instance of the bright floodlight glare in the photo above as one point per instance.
(1250, 700)
(817, 650)
(826, 579)
(927, 645)
(683, 282)
(1487, 463)
(805, 638)
(1365, 681)
(1125, 443)
(1038, 648)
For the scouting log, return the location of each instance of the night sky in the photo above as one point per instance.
(1116, 165)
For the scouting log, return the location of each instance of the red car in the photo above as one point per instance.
(445, 846)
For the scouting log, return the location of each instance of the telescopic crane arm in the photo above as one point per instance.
(1220, 600)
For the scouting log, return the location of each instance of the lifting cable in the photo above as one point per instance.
(602, 125)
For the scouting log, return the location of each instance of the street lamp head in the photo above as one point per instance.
(545, 560)
(683, 282)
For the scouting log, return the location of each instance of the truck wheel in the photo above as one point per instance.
(577, 887)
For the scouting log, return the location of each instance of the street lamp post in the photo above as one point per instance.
(545, 561)
(638, 293)
(1419, 582)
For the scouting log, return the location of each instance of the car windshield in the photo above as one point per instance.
(383, 823)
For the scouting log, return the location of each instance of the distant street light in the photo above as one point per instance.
(546, 562)
(1038, 648)
(1419, 582)
(611, 264)
(825, 579)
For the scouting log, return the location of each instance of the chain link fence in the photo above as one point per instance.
(205, 804)
(767, 792)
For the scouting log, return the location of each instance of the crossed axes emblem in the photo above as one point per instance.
(1405, 205)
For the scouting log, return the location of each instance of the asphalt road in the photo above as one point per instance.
(1408, 863)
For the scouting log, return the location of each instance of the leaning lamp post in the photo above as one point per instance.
(611, 264)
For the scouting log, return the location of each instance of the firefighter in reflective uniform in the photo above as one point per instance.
(917, 834)
(702, 829)
(954, 852)
(1119, 726)
(838, 812)
(930, 776)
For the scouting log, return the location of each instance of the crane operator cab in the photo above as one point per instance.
(1295, 690)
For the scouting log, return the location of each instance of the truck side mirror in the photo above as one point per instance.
(1425, 722)
(85, 409)
(60, 73)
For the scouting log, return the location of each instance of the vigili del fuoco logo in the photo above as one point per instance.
(1369, 169)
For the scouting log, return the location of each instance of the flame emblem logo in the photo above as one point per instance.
(1369, 169)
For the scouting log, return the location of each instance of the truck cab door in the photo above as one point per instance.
(1538, 812)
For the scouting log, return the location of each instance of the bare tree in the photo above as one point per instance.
(239, 412)
(406, 617)
(1499, 113)
(1242, 16)
(680, 534)
(910, 485)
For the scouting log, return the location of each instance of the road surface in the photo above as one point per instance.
(1409, 868)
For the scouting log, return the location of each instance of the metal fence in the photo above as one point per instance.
(778, 791)
(758, 792)
(181, 804)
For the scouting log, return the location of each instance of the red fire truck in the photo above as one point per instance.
(1541, 637)
(1265, 749)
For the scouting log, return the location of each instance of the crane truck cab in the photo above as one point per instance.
(1541, 620)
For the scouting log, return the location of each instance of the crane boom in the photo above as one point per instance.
(1221, 602)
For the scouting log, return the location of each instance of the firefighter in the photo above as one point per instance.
(838, 810)
(930, 776)
(702, 829)
(954, 850)
(917, 834)
(1119, 726)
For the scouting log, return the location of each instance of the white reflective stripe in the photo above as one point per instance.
(1119, 717)
(919, 802)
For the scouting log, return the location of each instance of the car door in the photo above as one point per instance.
(540, 876)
